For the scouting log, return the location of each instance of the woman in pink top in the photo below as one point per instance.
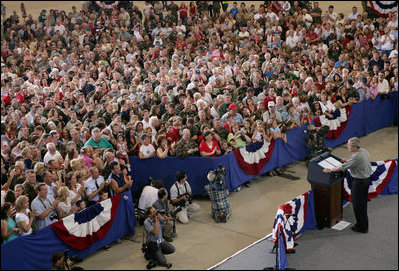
(374, 88)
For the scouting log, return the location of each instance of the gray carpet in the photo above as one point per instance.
(331, 249)
(255, 257)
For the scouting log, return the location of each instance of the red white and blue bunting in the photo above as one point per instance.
(383, 8)
(253, 157)
(382, 173)
(337, 123)
(82, 229)
(290, 218)
(107, 4)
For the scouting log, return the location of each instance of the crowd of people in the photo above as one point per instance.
(84, 90)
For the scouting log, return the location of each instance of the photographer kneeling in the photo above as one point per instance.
(161, 205)
(181, 195)
(156, 245)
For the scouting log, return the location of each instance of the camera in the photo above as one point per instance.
(74, 259)
(220, 175)
(175, 211)
(189, 198)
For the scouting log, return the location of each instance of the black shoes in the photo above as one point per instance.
(151, 264)
(356, 229)
(168, 265)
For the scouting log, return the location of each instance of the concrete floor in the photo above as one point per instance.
(203, 243)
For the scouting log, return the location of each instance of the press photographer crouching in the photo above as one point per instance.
(162, 207)
(156, 246)
(62, 261)
(181, 195)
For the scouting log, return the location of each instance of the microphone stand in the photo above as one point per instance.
(275, 246)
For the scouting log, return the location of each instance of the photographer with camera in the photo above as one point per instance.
(315, 140)
(162, 207)
(156, 246)
(58, 262)
(45, 206)
(181, 195)
(62, 261)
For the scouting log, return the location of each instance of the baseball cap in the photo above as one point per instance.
(233, 107)
(330, 6)
(270, 103)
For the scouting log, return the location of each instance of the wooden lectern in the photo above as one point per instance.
(327, 190)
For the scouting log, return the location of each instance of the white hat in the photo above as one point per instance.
(270, 103)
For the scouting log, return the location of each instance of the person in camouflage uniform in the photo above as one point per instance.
(170, 112)
(201, 6)
(315, 140)
(220, 129)
(194, 130)
(224, 107)
(186, 146)
(216, 9)
(202, 120)
(241, 90)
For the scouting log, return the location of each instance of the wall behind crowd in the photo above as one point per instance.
(35, 7)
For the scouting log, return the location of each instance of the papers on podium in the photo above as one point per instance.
(330, 163)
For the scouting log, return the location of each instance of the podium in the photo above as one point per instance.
(327, 189)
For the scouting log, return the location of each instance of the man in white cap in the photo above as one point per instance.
(271, 113)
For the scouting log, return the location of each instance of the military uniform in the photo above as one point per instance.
(165, 117)
(183, 146)
(223, 108)
(184, 114)
(222, 132)
(241, 92)
(194, 130)
(200, 123)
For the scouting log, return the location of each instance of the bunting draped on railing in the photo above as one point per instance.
(253, 157)
(383, 8)
(294, 217)
(382, 173)
(337, 123)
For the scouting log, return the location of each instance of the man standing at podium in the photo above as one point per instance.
(360, 167)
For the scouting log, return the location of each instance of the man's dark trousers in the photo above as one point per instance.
(360, 188)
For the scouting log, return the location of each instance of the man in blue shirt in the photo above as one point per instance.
(234, 10)
(341, 62)
(157, 246)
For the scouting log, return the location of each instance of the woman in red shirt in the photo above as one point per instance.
(193, 9)
(209, 147)
(183, 12)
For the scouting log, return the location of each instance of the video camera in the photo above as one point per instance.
(220, 175)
